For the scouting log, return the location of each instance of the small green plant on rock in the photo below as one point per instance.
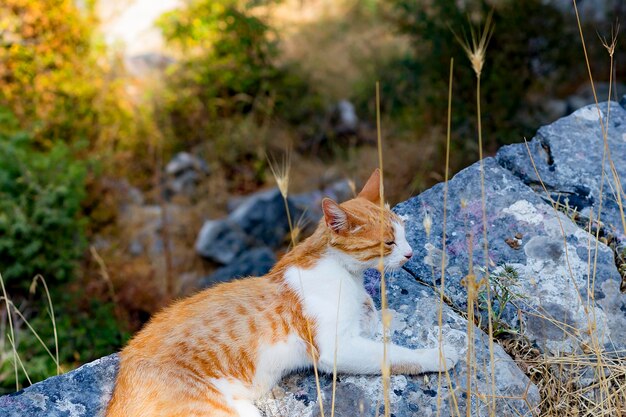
(502, 283)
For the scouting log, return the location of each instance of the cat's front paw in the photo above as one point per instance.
(437, 360)
(448, 358)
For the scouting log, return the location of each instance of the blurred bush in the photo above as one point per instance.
(41, 231)
(229, 70)
(527, 55)
(55, 75)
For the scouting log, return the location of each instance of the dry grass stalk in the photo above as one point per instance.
(476, 53)
(386, 317)
(443, 256)
(11, 336)
(33, 288)
(11, 330)
(281, 176)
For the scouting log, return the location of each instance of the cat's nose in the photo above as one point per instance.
(408, 255)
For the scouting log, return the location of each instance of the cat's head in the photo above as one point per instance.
(360, 228)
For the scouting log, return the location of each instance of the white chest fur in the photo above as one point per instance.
(333, 297)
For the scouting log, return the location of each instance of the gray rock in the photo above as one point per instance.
(252, 263)
(310, 204)
(221, 241)
(185, 183)
(259, 220)
(568, 156)
(263, 217)
(414, 324)
(345, 121)
(307, 203)
(544, 248)
(83, 392)
(184, 172)
(184, 161)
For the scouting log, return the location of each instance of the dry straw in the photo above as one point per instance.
(281, 176)
(476, 52)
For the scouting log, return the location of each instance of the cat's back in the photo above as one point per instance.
(223, 313)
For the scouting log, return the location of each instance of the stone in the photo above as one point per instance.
(415, 324)
(184, 173)
(221, 241)
(310, 204)
(344, 119)
(550, 260)
(83, 392)
(568, 156)
(263, 218)
(184, 161)
(255, 262)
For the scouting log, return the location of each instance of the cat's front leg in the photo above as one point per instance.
(370, 323)
(358, 355)
(429, 360)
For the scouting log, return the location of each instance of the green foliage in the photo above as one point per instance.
(56, 78)
(40, 203)
(502, 285)
(229, 70)
(526, 54)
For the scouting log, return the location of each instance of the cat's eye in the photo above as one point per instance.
(391, 242)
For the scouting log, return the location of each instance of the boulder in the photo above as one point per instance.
(221, 241)
(259, 220)
(184, 161)
(262, 216)
(310, 203)
(537, 252)
(251, 263)
(86, 391)
(83, 392)
(415, 324)
(568, 155)
(184, 172)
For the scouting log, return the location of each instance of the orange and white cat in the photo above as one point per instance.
(216, 352)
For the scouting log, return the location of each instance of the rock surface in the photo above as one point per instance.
(221, 241)
(568, 155)
(415, 324)
(558, 274)
(183, 173)
(83, 392)
(252, 263)
(258, 220)
(526, 235)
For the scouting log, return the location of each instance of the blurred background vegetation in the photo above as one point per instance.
(89, 120)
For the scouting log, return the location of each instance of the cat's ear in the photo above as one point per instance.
(334, 216)
(371, 189)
